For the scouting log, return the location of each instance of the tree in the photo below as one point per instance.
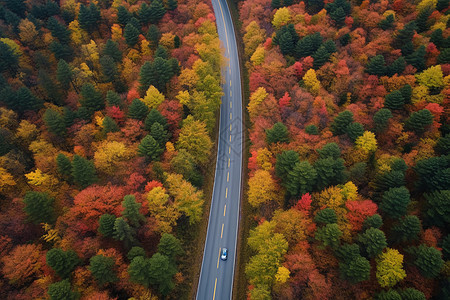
(411, 294)
(277, 134)
(390, 268)
(394, 100)
(301, 179)
(64, 74)
(419, 121)
(326, 216)
(341, 121)
(91, 98)
(137, 110)
(135, 252)
(397, 67)
(311, 82)
(381, 119)
(109, 125)
(261, 188)
(407, 230)
(388, 295)
(354, 130)
(144, 14)
(330, 150)
(356, 269)
(444, 56)
(153, 35)
(131, 211)
(373, 241)
(438, 211)
(123, 232)
(433, 173)
(374, 221)
(123, 16)
(170, 246)
(329, 235)
(394, 202)
(150, 148)
(153, 98)
(282, 17)
(89, 17)
(62, 262)
(329, 172)
(161, 272)
(22, 264)
(160, 135)
(58, 31)
(111, 49)
(102, 269)
(55, 122)
(427, 259)
(131, 35)
(194, 139)
(154, 116)
(376, 66)
(156, 73)
(62, 291)
(109, 68)
(139, 270)
(83, 171)
(24, 100)
(106, 225)
(285, 163)
(113, 99)
(157, 11)
(367, 142)
(64, 166)
(39, 207)
(387, 23)
(321, 56)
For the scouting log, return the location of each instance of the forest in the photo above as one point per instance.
(107, 118)
(349, 167)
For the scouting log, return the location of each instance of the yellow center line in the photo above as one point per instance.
(215, 283)
(226, 194)
(221, 234)
(228, 176)
(218, 258)
(230, 127)
(224, 210)
(230, 104)
(231, 93)
(230, 82)
(230, 137)
(228, 162)
(229, 149)
(230, 116)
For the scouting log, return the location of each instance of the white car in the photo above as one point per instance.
(224, 254)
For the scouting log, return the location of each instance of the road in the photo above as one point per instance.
(216, 276)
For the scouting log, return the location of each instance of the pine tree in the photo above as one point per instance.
(17, 6)
(403, 39)
(397, 67)
(422, 19)
(438, 207)
(39, 207)
(374, 221)
(109, 68)
(139, 270)
(131, 211)
(64, 166)
(419, 121)
(106, 225)
(387, 23)
(157, 11)
(406, 92)
(55, 122)
(329, 150)
(444, 56)
(160, 273)
(102, 269)
(412, 294)
(338, 16)
(427, 259)
(285, 163)
(355, 270)
(91, 98)
(373, 241)
(433, 174)
(406, 230)
(63, 262)
(89, 17)
(172, 5)
(275, 4)
(394, 100)
(123, 16)
(154, 116)
(61, 51)
(277, 134)
(26, 100)
(161, 51)
(286, 43)
(354, 131)
(83, 171)
(145, 14)
(58, 31)
(156, 73)
(376, 66)
(137, 110)
(135, 252)
(113, 99)
(131, 35)
(109, 125)
(308, 45)
(437, 38)
(64, 74)
(325, 216)
(312, 129)
(417, 58)
(150, 148)
(123, 232)
(329, 235)
(170, 246)
(329, 172)
(388, 295)
(341, 121)
(381, 119)
(62, 291)
(153, 35)
(321, 56)
(395, 202)
(112, 49)
(301, 179)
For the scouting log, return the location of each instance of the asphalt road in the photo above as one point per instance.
(216, 276)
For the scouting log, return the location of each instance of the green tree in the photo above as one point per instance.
(123, 232)
(381, 119)
(109, 125)
(438, 208)
(286, 43)
(154, 116)
(58, 30)
(62, 291)
(308, 45)
(301, 179)
(139, 270)
(355, 270)
(160, 135)
(170, 246)
(329, 235)
(417, 58)
(419, 121)
(102, 269)
(376, 66)
(50, 87)
(387, 23)
(277, 134)
(329, 150)
(153, 35)
(388, 295)
(326, 216)
(112, 49)
(161, 272)
(64, 166)
(123, 16)
(156, 73)
(150, 148)
(61, 51)
(9, 61)
(329, 172)
(109, 68)
(406, 230)
(354, 130)
(387, 180)
(394, 202)
(443, 144)
(62, 262)
(137, 110)
(64, 74)
(321, 56)
(394, 100)
(89, 17)
(25, 100)
(341, 121)
(135, 252)
(39, 207)
(131, 35)
(113, 99)
(145, 14)
(373, 241)
(106, 225)
(172, 5)
(422, 19)
(403, 39)
(374, 221)
(312, 129)
(83, 171)
(397, 67)
(285, 163)
(411, 294)
(444, 56)
(131, 210)
(275, 4)
(55, 122)
(427, 259)
(434, 173)
(157, 11)
(91, 98)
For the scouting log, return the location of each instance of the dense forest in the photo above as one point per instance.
(349, 167)
(107, 115)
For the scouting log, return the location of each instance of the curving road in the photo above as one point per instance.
(216, 276)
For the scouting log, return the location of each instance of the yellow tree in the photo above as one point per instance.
(311, 82)
(27, 32)
(253, 37)
(27, 131)
(261, 188)
(153, 98)
(77, 34)
(256, 98)
(167, 40)
(263, 159)
(366, 144)
(432, 78)
(390, 268)
(38, 178)
(188, 78)
(110, 155)
(116, 32)
(6, 180)
(145, 48)
(281, 17)
(159, 206)
(282, 275)
(194, 139)
(258, 56)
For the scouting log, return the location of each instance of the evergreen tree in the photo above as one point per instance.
(427, 259)
(170, 246)
(89, 17)
(422, 19)
(58, 31)
(26, 100)
(64, 166)
(387, 23)
(286, 43)
(412, 294)
(275, 4)
(395, 202)
(62, 291)
(123, 16)
(285, 163)
(131, 210)
(109, 125)
(355, 270)
(150, 148)
(131, 35)
(153, 35)
(83, 171)
(434, 173)
(376, 66)
(373, 241)
(55, 122)
(326, 216)
(338, 16)
(161, 51)
(62, 262)
(160, 135)
(442, 4)
(438, 207)
(176, 39)
(50, 88)
(137, 110)
(437, 38)
(417, 58)
(106, 225)
(341, 121)
(172, 5)
(17, 6)
(329, 235)
(113, 99)
(403, 39)
(61, 51)
(443, 144)
(394, 100)
(135, 252)
(329, 150)
(91, 98)
(154, 116)
(301, 179)
(381, 119)
(64, 74)
(388, 295)
(39, 207)
(308, 45)
(354, 131)
(406, 230)
(397, 67)
(419, 121)
(277, 134)
(102, 269)
(109, 68)
(374, 221)
(135, 22)
(112, 49)
(139, 270)
(406, 92)
(329, 172)
(444, 56)
(321, 56)
(312, 129)
(161, 272)
(156, 73)
(123, 232)
(157, 11)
